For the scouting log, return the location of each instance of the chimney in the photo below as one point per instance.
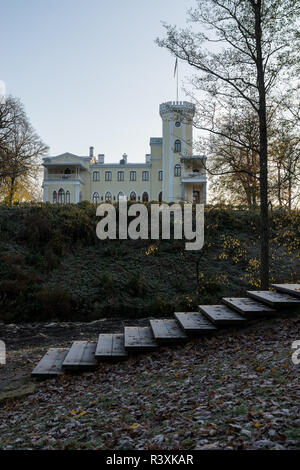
(148, 157)
(101, 158)
(91, 152)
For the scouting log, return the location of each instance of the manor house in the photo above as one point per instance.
(170, 173)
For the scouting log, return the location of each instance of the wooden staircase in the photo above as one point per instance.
(85, 355)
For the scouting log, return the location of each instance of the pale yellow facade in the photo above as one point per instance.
(170, 173)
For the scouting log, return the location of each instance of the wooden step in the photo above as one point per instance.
(250, 308)
(51, 363)
(195, 323)
(81, 356)
(139, 338)
(222, 315)
(111, 346)
(293, 289)
(275, 299)
(167, 331)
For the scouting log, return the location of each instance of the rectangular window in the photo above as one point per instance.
(120, 175)
(96, 176)
(160, 175)
(108, 176)
(133, 176)
(145, 176)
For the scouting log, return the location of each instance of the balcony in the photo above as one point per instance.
(193, 177)
(62, 177)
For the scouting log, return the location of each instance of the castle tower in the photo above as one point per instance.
(177, 120)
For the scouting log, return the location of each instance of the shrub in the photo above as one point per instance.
(136, 285)
(54, 304)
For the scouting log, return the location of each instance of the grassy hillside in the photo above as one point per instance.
(52, 265)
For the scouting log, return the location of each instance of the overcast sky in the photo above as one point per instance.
(89, 72)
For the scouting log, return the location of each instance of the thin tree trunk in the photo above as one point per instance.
(263, 154)
(11, 191)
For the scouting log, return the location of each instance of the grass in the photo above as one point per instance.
(53, 267)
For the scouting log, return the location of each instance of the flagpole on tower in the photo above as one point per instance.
(176, 73)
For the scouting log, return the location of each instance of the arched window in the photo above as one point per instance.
(96, 198)
(160, 197)
(54, 197)
(120, 195)
(132, 196)
(177, 170)
(145, 197)
(177, 146)
(61, 196)
(108, 197)
(68, 197)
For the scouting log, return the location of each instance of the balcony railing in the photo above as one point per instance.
(61, 177)
(194, 176)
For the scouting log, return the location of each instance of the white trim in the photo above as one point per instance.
(77, 194)
(59, 182)
(163, 158)
(45, 191)
(171, 162)
(183, 142)
(120, 192)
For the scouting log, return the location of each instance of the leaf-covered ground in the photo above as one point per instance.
(238, 390)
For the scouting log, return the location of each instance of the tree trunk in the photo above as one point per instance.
(11, 191)
(263, 154)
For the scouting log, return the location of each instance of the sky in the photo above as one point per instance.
(89, 72)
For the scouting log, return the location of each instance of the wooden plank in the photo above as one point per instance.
(111, 346)
(195, 323)
(167, 330)
(51, 363)
(275, 299)
(293, 289)
(250, 308)
(139, 338)
(221, 315)
(81, 356)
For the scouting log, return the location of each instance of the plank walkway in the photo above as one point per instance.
(81, 356)
(195, 323)
(248, 307)
(293, 289)
(275, 299)
(235, 311)
(167, 330)
(221, 315)
(139, 338)
(111, 346)
(51, 363)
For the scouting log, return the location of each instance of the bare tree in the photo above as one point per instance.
(253, 48)
(234, 168)
(20, 146)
